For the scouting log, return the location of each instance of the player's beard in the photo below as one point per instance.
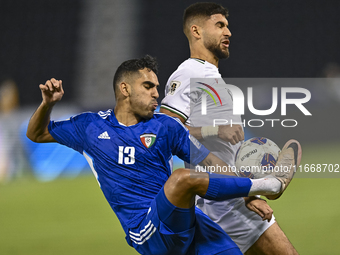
(140, 109)
(215, 48)
(145, 112)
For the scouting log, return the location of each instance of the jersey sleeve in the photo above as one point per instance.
(70, 132)
(177, 91)
(185, 146)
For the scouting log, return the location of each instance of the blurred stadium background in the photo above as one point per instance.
(50, 203)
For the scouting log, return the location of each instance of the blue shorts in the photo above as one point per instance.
(167, 229)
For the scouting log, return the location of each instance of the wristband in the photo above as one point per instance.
(208, 131)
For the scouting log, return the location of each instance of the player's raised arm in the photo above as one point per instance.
(37, 130)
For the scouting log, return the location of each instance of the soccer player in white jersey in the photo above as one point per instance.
(249, 222)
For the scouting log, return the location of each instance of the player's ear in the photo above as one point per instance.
(124, 89)
(196, 31)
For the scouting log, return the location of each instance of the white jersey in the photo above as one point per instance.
(241, 224)
(185, 101)
(177, 90)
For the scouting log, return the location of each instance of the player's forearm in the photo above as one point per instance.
(215, 165)
(196, 132)
(37, 129)
(232, 134)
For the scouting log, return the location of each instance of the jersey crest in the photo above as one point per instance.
(148, 140)
(173, 86)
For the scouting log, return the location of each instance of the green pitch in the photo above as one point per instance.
(73, 217)
(309, 211)
(60, 217)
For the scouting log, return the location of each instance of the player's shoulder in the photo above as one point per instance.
(194, 68)
(104, 115)
(180, 79)
(162, 117)
(190, 68)
(92, 116)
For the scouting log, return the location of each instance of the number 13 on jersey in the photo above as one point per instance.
(126, 155)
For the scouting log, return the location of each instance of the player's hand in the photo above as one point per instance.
(52, 91)
(260, 207)
(232, 134)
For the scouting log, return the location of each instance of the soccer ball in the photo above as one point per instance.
(256, 158)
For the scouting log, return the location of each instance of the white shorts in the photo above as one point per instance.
(241, 224)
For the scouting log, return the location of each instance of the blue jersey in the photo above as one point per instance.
(130, 163)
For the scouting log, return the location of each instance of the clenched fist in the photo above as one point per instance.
(232, 134)
(52, 91)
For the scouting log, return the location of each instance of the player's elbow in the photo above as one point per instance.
(39, 134)
(36, 137)
(33, 137)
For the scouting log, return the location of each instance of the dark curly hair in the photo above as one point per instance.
(203, 10)
(132, 66)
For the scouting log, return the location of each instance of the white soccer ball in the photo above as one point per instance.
(256, 158)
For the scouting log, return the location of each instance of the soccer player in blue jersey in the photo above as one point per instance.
(130, 149)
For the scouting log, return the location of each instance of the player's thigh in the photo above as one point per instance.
(182, 186)
(272, 241)
(241, 224)
(210, 238)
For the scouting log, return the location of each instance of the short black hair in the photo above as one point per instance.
(203, 10)
(132, 66)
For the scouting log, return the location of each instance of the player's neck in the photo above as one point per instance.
(204, 54)
(125, 116)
